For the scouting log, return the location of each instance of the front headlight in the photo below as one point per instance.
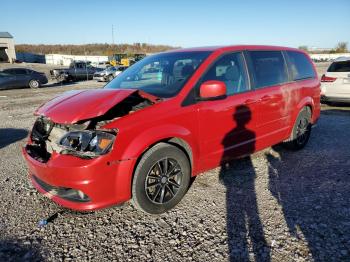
(97, 142)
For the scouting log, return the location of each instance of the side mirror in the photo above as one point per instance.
(212, 90)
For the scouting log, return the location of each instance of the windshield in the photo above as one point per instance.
(161, 75)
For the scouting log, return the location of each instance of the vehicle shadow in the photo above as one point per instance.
(336, 111)
(243, 224)
(14, 250)
(336, 104)
(313, 193)
(11, 135)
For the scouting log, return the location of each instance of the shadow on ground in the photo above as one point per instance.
(312, 187)
(243, 223)
(11, 135)
(15, 250)
(314, 197)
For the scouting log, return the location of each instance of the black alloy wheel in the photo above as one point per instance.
(163, 180)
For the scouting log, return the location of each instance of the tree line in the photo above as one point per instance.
(93, 49)
(341, 47)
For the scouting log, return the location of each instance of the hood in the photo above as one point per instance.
(74, 106)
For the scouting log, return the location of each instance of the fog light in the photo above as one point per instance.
(62, 192)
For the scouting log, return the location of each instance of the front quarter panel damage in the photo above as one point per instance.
(47, 134)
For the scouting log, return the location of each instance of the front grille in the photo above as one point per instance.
(69, 194)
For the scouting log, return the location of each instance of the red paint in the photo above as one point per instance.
(201, 126)
(212, 89)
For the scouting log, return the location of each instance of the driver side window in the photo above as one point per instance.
(229, 69)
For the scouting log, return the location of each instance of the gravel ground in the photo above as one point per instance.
(276, 205)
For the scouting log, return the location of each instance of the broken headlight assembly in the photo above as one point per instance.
(88, 142)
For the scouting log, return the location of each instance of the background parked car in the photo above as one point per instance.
(78, 70)
(109, 73)
(335, 83)
(21, 77)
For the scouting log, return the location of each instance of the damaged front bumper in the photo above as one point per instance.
(76, 180)
(82, 184)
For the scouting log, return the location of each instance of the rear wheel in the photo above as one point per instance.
(34, 83)
(301, 130)
(161, 179)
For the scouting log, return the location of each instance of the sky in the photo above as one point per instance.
(185, 23)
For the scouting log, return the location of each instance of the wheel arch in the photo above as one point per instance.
(175, 141)
(306, 102)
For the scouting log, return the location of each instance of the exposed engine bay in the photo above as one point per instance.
(85, 139)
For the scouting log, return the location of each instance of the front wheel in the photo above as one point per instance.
(301, 130)
(161, 179)
(34, 83)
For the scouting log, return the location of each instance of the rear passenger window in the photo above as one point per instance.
(299, 66)
(229, 69)
(268, 67)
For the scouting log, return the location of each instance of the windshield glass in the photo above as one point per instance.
(161, 75)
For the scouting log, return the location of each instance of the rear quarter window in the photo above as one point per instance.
(341, 66)
(268, 68)
(300, 66)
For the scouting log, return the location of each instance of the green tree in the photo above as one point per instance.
(304, 47)
(341, 47)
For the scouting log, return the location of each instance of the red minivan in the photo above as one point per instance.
(168, 118)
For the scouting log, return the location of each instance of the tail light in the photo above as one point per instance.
(325, 78)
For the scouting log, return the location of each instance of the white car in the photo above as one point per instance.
(335, 83)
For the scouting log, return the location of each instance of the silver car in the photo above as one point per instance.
(109, 73)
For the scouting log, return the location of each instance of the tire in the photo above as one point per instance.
(34, 83)
(61, 78)
(301, 131)
(110, 78)
(155, 191)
